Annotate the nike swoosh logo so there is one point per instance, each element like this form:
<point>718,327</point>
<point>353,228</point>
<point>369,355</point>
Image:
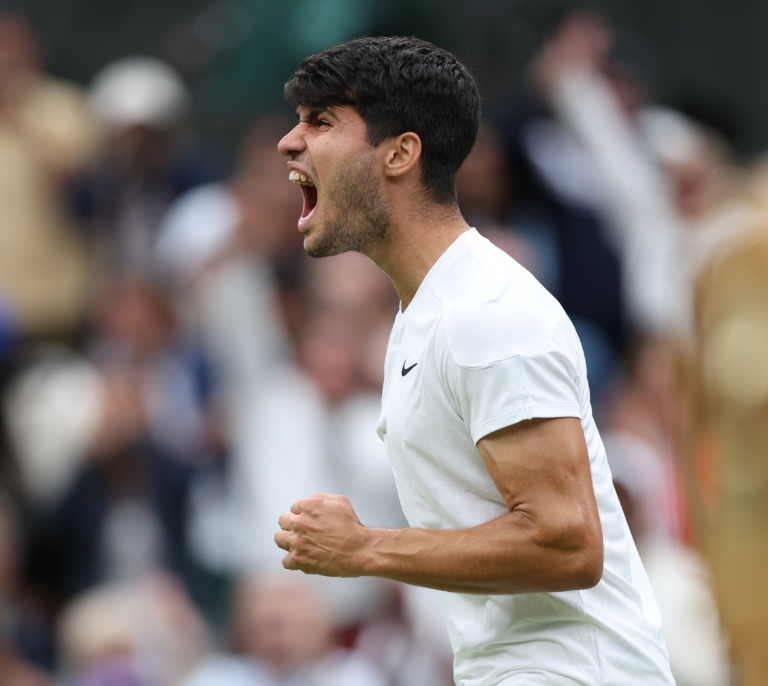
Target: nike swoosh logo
<point>408,369</point>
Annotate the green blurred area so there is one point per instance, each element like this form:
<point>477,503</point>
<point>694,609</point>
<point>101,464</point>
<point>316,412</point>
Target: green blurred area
<point>708,56</point>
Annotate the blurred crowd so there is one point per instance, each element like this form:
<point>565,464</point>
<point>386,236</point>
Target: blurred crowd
<point>175,372</point>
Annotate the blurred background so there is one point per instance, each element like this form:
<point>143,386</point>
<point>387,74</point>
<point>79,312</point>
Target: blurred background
<point>175,372</point>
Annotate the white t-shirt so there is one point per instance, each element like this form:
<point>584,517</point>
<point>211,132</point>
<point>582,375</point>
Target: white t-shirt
<point>482,346</point>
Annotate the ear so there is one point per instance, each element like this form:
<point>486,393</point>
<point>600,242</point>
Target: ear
<point>402,154</point>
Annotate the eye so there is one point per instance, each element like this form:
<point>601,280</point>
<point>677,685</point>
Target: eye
<point>323,123</point>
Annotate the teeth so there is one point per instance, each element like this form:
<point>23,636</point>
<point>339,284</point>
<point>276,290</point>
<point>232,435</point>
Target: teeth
<point>300,178</point>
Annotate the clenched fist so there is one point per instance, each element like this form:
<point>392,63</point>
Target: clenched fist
<point>323,535</point>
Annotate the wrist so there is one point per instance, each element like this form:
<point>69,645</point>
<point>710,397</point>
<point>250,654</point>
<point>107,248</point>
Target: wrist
<point>370,555</point>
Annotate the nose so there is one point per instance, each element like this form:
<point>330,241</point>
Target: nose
<point>292,143</point>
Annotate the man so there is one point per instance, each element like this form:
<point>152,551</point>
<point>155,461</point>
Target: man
<point>485,411</point>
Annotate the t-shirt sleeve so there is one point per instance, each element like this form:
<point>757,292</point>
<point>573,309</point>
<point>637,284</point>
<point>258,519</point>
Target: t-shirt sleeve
<point>507,391</point>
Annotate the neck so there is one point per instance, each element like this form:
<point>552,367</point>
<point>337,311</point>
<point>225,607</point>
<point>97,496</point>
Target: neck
<point>419,236</point>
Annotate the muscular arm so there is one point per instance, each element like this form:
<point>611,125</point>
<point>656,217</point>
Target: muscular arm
<point>550,540</point>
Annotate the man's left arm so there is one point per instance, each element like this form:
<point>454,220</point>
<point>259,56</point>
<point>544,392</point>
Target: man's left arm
<point>549,540</point>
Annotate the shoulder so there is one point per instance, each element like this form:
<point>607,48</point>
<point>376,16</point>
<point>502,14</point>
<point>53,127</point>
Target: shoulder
<point>499,310</point>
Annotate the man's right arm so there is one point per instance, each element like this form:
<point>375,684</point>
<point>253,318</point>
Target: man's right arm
<point>550,540</point>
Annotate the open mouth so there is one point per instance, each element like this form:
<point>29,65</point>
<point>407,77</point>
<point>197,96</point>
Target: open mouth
<point>308,191</point>
<point>310,202</point>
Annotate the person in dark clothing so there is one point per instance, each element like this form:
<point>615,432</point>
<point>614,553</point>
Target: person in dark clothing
<point>147,160</point>
<point>558,204</point>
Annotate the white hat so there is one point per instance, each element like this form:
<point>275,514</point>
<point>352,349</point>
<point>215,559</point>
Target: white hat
<point>139,90</point>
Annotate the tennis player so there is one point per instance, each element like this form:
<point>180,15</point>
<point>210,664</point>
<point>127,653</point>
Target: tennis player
<point>486,414</point>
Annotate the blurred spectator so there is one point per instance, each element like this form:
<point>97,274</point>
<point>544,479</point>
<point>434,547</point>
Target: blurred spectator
<point>126,511</point>
<point>726,460</point>
<point>221,244</point>
<point>283,635</point>
<point>136,327</point>
<point>224,246</point>
<point>716,200</point>
<point>333,448</point>
<point>52,409</point>
<point>254,210</point>
<point>644,422</point>
<point>351,290</point>
<point>108,453</point>
<point>145,633</point>
<point>484,184</point>
<point>408,640</point>
<point>45,138</point>
<point>600,100</point>
<point>557,203</point>
<point>311,428</point>
<point>698,649</point>
<point>585,172</point>
<point>145,161</point>
<point>485,190</point>
<point>14,669</point>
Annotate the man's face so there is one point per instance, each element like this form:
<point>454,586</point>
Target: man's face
<point>344,205</point>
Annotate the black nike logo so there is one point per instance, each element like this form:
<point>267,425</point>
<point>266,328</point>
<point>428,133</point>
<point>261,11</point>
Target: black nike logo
<point>408,369</point>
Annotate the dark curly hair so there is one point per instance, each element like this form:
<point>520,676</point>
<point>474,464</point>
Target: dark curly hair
<point>398,85</point>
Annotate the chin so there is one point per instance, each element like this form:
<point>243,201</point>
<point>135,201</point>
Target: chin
<point>308,247</point>
<point>314,245</point>
<point>320,244</point>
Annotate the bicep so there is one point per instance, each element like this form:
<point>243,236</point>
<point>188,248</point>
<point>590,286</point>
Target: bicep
<point>541,468</point>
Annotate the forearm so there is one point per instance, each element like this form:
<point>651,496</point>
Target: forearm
<point>504,556</point>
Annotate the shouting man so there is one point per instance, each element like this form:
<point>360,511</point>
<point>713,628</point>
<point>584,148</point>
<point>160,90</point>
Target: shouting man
<point>486,414</point>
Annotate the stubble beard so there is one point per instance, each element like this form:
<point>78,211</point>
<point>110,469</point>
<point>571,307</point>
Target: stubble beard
<point>361,218</point>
